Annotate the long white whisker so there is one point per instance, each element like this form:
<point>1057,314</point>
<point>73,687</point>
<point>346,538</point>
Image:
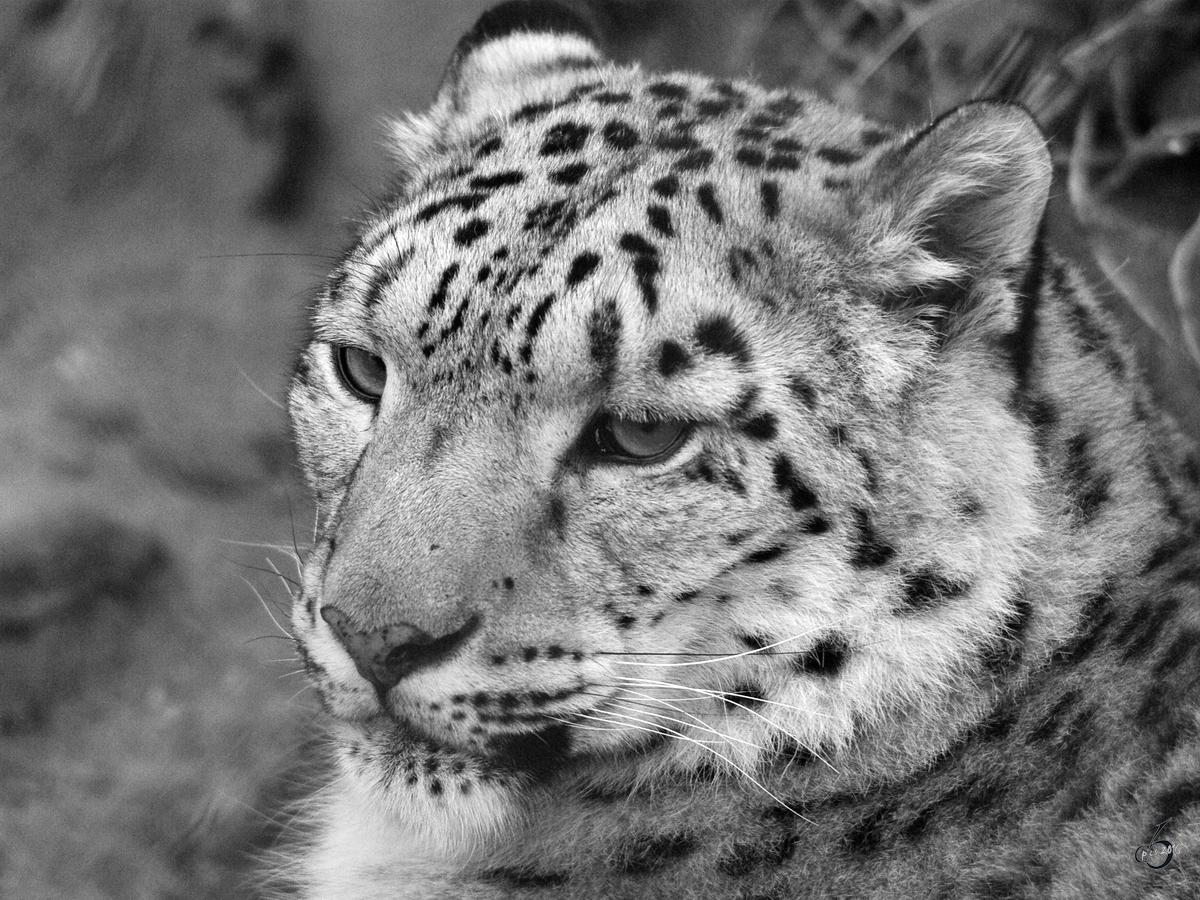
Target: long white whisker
<point>704,745</point>
<point>283,578</point>
<point>260,391</point>
<point>641,723</point>
<point>758,651</point>
<point>697,722</point>
<point>656,720</point>
<point>706,694</point>
<point>307,687</point>
<point>283,630</point>
<point>257,545</point>
<point>709,693</point>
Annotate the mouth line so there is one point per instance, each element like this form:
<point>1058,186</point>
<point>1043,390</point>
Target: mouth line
<point>542,741</point>
<point>531,753</point>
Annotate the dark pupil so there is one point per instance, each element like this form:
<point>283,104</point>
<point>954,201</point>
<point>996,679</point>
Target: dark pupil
<point>364,373</point>
<point>642,439</point>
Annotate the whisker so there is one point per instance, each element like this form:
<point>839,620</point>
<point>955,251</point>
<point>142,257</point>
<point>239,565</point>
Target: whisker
<point>700,723</point>
<point>285,578</point>
<point>713,694</point>
<point>293,698</point>
<point>641,725</point>
<point>282,630</point>
<point>270,571</point>
<point>706,694</point>
<point>710,658</point>
<point>272,400</point>
<point>296,554</point>
<point>256,545</point>
<point>321,256</point>
<point>664,729</point>
<point>703,745</point>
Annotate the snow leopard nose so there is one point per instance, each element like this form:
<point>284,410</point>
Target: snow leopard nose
<point>385,655</point>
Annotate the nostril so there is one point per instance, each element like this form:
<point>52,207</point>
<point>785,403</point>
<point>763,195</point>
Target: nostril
<point>387,654</point>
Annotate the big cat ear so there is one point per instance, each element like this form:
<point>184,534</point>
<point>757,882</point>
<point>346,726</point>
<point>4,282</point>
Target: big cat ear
<point>972,187</point>
<point>510,58</point>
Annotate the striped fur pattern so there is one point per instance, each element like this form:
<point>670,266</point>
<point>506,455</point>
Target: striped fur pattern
<point>902,603</point>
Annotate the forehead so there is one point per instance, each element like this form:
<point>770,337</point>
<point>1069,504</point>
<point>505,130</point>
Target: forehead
<point>608,207</point>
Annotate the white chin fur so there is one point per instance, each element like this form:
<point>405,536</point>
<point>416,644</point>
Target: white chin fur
<point>399,842</point>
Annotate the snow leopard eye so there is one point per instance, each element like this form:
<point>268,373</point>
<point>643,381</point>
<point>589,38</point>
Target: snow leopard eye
<point>649,440</point>
<point>363,373</point>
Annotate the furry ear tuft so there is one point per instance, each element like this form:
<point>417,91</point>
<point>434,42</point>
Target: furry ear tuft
<point>973,186</point>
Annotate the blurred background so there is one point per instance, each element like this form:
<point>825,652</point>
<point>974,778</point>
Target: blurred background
<point>174,180</point>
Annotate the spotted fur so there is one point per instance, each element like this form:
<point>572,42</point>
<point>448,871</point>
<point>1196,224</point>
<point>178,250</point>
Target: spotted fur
<point>907,610</point>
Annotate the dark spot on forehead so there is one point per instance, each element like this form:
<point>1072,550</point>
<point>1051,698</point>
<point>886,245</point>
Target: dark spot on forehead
<point>769,193</point>
<point>382,280</point>
<point>581,267</point>
<point>660,220</point>
<point>667,90</point>
<point>789,483</point>
<point>498,180</point>
<point>710,107</point>
<point>667,186</point>
<point>750,156</point>
<point>694,160</point>
<point>538,316</point>
<point>565,137</point>
<point>472,231</point>
<point>762,427</point>
<point>646,266</point>
<point>672,358</point>
<point>620,135</point>
<point>786,105</point>
<point>707,196</point>
<point>612,98</point>
<point>438,298</point>
<point>787,162</point>
<point>676,140</point>
<point>545,216</point>
<point>604,338</point>
<point>766,554</point>
<point>718,335</point>
<point>531,112</point>
<point>465,202</point>
<point>568,175</point>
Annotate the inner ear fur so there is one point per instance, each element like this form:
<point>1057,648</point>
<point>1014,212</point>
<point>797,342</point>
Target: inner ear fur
<point>973,186</point>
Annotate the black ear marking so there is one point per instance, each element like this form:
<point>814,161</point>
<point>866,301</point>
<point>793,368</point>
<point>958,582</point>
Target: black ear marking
<point>533,16</point>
